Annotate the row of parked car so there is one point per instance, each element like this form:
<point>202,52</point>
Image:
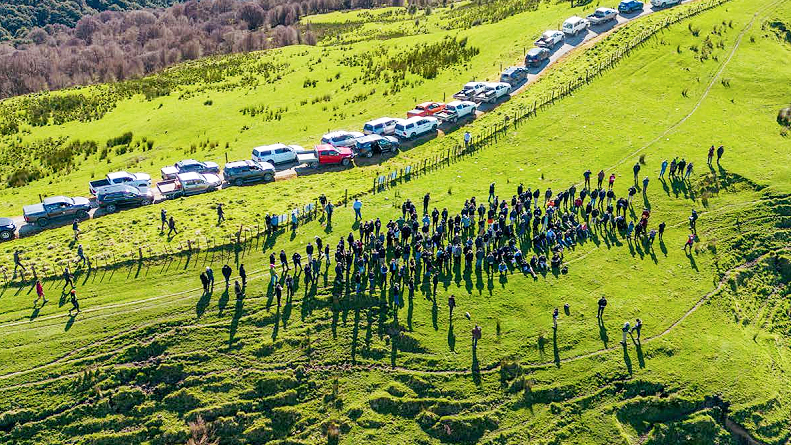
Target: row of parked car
<point>190,177</point>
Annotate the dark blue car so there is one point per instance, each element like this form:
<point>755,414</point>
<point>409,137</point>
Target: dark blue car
<point>7,229</point>
<point>627,6</point>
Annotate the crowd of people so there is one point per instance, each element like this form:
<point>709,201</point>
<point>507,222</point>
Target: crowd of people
<point>526,233</point>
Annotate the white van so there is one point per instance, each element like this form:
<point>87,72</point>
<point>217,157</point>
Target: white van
<point>573,25</point>
<point>416,126</point>
<point>276,153</point>
<point>382,126</point>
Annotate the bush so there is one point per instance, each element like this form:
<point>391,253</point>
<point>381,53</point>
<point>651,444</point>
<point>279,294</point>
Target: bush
<point>127,398</point>
<point>124,139</point>
<point>182,401</point>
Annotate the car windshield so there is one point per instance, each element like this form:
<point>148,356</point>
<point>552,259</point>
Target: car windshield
<point>368,127</point>
<point>399,127</point>
<point>599,14</point>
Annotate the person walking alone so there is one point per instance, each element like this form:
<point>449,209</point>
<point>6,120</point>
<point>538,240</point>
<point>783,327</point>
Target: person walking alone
<point>451,306</point>
<point>39,294</point>
<point>75,227</point>
<point>243,275</point>
<point>226,273</point>
<point>357,206</point>
<point>602,305</point>
<point>68,278</point>
<point>75,305</point>
<point>18,263</point>
<point>220,214</point>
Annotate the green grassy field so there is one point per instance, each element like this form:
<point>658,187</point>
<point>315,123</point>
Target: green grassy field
<point>148,355</point>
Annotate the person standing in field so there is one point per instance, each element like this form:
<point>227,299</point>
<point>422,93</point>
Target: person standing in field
<point>689,171</point>
<point>645,185</point>
<point>75,305</point>
<point>661,230</point>
<point>226,273</point>
<point>710,157</point>
<point>662,169</point>
<point>689,243</point>
<point>638,326</point>
<point>636,171</point>
<point>163,217</point>
<point>555,314</point>
<point>720,152</point>
<point>18,263</point>
<point>220,214</point>
<point>81,255</point>
<point>587,175</point>
<point>451,306</point>
<point>491,191</point>
<point>75,227</point>
<point>204,281</point>
<point>426,199</point>
<point>243,275</point>
<point>611,181</point>
<point>39,294</point>
<point>357,206</point>
<point>625,330</point>
<point>238,290</point>
<point>210,277</point>
<point>600,179</point>
<point>602,305</point>
<point>68,278</point>
<point>172,226</point>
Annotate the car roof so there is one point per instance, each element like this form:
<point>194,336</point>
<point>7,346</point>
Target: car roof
<point>189,161</point>
<point>513,69</point>
<point>118,188</point>
<point>270,147</point>
<point>381,120</point>
<point>369,138</point>
<point>472,84</point>
<point>536,51</point>
<point>188,176</point>
<point>240,163</point>
<point>606,10</point>
<point>56,199</point>
<point>426,104</point>
<point>121,174</point>
<point>574,19</point>
<point>334,134</point>
<point>550,32</point>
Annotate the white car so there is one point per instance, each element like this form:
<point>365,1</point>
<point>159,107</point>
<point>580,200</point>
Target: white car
<point>664,3</point>
<point>602,15</point>
<point>276,153</point>
<point>574,25</point>
<point>416,126</point>
<point>550,39</point>
<point>341,138</point>
<point>469,90</point>
<point>493,91</point>
<point>382,126</point>
<point>458,109</point>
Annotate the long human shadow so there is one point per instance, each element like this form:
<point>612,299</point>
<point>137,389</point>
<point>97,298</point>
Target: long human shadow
<point>451,336</point>
<point>202,304</point>
<point>640,359</point>
<point>276,326</point>
<point>555,351</point>
<point>627,360</point>
<point>223,301</point>
<point>355,334</point>
<point>237,314</point>
<point>603,332</point>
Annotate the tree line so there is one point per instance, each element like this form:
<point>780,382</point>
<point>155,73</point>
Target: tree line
<point>118,45</point>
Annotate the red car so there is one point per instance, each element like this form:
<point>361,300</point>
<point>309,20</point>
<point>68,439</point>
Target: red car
<point>326,154</point>
<point>426,109</point>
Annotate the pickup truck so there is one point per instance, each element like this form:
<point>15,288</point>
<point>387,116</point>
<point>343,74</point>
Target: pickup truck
<point>493,91</point>
<point>186,184</point>
<point>326,154</point>
<point>602,15</point>
<point>457,110</point>
<point>189,166</point>
<point>138,180</point>
<point>56,207</point>
<point>550,39</point>
<point>425,109</point>
<point>7,229</point>
<point>469,90</point>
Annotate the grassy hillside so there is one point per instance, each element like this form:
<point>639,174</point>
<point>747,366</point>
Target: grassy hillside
<point>149,356</point>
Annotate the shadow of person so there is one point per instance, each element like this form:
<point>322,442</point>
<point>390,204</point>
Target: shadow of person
<point>626,359</point>
<point>223,301</point>
<point>692,262</point>
<point>663,247</point>
<point>35,312</point>
<point>434,313</point>
<point>665,188</point>
<point>237,314</point>
<point>203,303</point>
<point>603,333</point>
<point>476,366</point>
<point>276,325</point>
<point>555,351</point>
<point>70,321</point>
<point>639,348</point>
<point>451,337</point>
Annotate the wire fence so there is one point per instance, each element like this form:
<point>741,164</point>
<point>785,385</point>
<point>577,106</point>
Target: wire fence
<point>240,241</point>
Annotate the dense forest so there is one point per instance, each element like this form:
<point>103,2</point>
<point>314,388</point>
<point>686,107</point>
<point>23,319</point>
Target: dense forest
<point>19,16</point>
<point>117,45</point>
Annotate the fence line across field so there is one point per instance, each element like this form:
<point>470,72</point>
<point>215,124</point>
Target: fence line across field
<point>486,137</point>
